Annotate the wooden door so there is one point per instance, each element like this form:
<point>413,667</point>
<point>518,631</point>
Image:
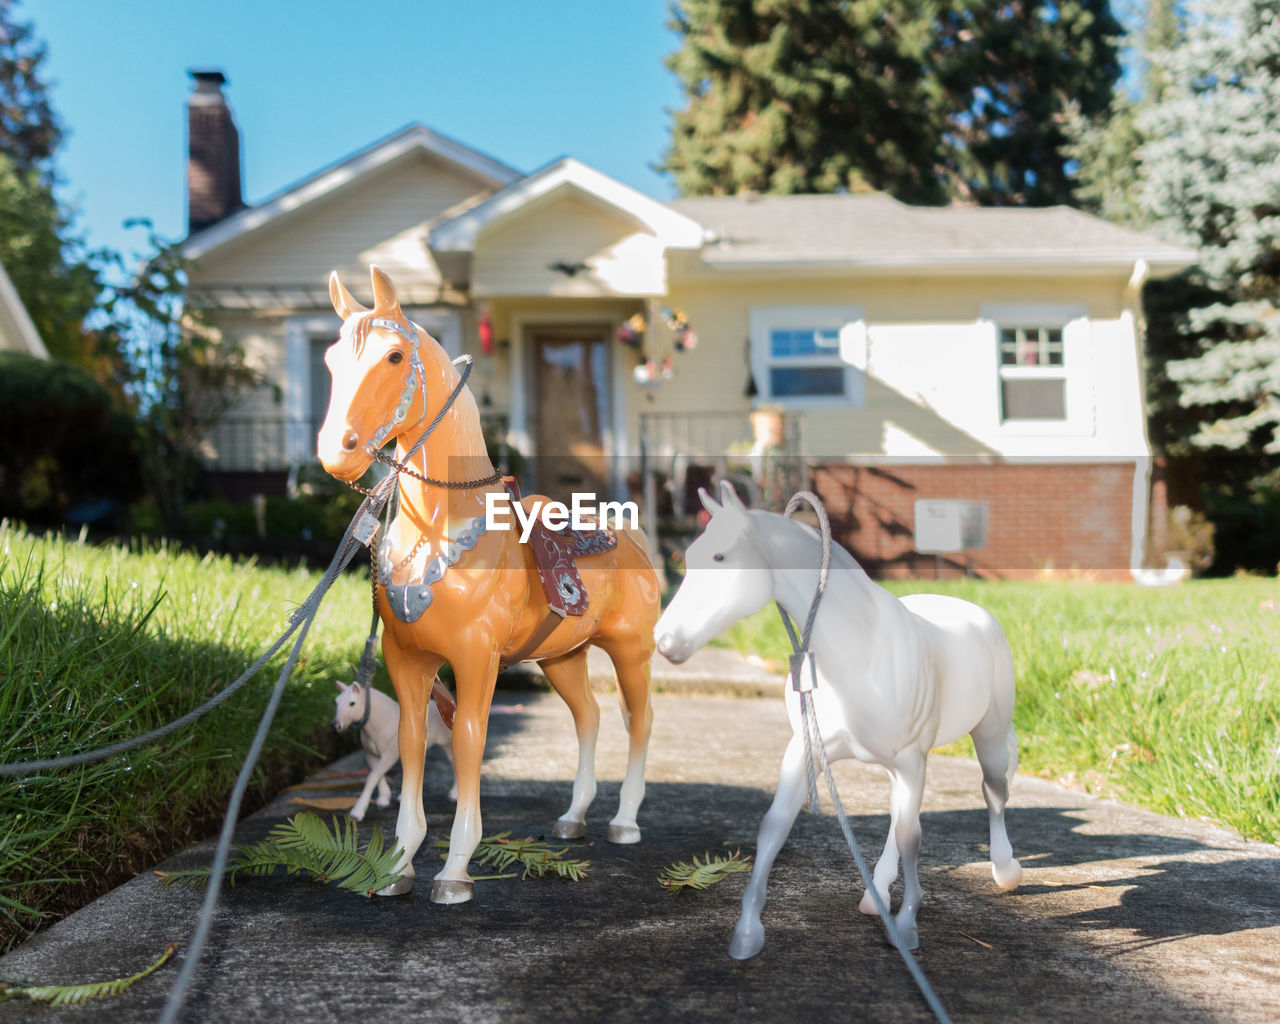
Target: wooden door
<point>570,403</point>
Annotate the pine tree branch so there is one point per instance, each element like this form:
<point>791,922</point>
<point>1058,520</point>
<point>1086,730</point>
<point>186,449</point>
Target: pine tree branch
<point>71,995</point>
<point>536,858</point>
<point>703,874</point>
<point>304,843</point>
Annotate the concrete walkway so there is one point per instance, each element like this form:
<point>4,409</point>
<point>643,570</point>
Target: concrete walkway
<point>1123,915</point>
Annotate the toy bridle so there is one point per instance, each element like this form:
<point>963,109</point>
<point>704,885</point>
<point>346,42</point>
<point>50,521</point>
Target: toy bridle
<point>417,377</point>
<point>804,680</point>
<point>368,705</point>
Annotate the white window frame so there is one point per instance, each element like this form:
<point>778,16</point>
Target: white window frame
<point>1075,372</point>
<point>852,328</point>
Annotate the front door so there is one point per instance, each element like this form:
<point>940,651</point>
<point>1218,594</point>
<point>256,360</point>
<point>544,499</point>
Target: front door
<point>570,404</point>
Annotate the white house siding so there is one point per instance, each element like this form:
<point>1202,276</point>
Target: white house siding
<point>380,218</point>
<point>931,363</point>
<point>252,435</point>
<point>514,256</point>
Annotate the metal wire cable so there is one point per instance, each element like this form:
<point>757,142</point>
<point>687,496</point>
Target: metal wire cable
<point>346,551</point>
<point>376,499</point>
<point>204,920</point>
<point>816,754</point>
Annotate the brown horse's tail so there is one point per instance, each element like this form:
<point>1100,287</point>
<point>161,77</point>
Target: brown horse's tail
<point>445,703</point>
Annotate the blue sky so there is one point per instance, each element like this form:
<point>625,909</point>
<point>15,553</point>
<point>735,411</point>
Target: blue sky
<point>311,81</point>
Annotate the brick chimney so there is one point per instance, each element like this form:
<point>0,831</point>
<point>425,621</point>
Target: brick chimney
<point>213,153</point>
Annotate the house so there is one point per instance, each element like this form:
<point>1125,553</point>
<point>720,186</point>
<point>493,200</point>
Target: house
<point>17,332</point>
<point>963,386</point>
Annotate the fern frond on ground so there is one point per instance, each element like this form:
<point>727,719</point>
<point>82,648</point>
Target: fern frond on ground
<point>304,843</point>
<point>68,995</point>
<point>536,858</point>
<point>703,874</point>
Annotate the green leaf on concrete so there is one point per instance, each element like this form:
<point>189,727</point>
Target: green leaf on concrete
<point>705,873</point>
<point>536,858</point>
<point>68,995</point>
<point>304,843</point>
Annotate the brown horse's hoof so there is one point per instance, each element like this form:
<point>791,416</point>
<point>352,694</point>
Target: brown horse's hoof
<point>399,887</point>
<point>450,890</point>
<point>623,834</point>
<point>566,829</point>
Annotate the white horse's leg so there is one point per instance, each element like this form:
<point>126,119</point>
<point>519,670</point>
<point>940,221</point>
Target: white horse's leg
<point>775,826</point>
<point>476,672</point>
<point>886,868</point>
<point>378,768</point>
<point>908,790</point>
<point>631,662</point>
<point>996,745</point>
<point>412,678</point>
<point>569,677</point>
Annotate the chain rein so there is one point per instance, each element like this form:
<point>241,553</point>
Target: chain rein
<point>369,659</point>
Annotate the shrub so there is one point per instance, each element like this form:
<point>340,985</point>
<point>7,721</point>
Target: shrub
<point>63,440</point>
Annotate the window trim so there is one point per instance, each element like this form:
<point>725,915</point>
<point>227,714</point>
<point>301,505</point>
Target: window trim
<point>1075,371</point>
<point>852,354</point>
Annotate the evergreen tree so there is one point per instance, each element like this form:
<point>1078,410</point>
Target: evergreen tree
<point>56,278</point>
<point>1010,70</point>
<point>789,96</point>
<point>1105,147</point>
<point>1212,180</point>
<point>926,101</point>
<point>29,129</point>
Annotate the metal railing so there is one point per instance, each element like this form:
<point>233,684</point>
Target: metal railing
<point>266,444</point>
<point>764,457</point>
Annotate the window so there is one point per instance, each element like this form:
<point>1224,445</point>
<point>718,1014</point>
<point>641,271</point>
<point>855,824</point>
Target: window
<point>808,356</point>
<point>1033,374</point>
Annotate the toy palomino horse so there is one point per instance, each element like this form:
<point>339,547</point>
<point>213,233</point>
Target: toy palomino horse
<point>895,679</point>
<point>450,590</point>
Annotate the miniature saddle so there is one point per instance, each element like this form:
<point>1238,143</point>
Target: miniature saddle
<point>555,553</point>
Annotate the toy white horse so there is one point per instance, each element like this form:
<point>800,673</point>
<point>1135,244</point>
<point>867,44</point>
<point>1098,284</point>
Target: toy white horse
<point>895,679</point>
<point>378,737</point>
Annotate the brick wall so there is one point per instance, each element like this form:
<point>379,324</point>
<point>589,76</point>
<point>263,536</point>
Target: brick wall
<point>213,154</point>
<point>1065,517</point>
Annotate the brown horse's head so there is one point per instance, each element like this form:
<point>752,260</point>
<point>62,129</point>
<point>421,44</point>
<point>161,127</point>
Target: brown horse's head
<point>379,377</point>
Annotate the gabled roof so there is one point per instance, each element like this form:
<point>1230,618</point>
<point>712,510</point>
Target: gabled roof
<point>875,231</point>
<point>489,172</point>
<point>673,228</point>
<point>17,332</point>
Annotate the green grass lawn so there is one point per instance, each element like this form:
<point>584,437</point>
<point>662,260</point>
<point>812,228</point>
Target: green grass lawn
<point>98,644</point>
<point>1165,698</point>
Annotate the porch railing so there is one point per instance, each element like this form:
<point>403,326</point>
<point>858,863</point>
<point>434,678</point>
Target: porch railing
<point>266,444</point>
<point>682,451</point>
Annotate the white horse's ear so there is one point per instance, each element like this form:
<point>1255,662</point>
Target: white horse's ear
<point>343,304</point>
<point>708,502</point>
<point>728,496</point>
<point>339,685</point>
<point>385,300</point>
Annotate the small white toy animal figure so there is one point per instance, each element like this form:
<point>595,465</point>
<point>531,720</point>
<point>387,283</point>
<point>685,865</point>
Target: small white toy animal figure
<point>379,738</point>
<point>896,678</point>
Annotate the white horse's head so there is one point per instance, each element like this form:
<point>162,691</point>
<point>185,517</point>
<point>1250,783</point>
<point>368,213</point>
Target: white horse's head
<point>348,705</point>
<point>382,367</point>
<point>727,578</point>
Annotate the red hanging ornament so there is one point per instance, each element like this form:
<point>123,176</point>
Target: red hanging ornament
<point>484,327</point>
